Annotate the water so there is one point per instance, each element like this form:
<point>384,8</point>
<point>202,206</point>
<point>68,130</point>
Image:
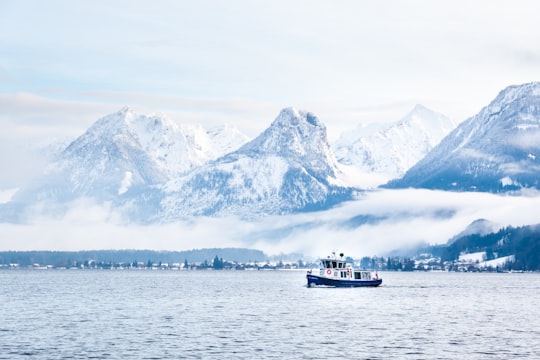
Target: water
<point>57,314</point>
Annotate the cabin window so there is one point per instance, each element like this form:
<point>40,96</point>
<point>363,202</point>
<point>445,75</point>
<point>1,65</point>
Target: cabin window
<point>366,276</point>
<point>343,274</point>
<point>334,264</point>
<point>357,275</point>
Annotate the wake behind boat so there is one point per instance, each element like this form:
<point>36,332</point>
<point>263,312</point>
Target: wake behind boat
<point>337,272</point>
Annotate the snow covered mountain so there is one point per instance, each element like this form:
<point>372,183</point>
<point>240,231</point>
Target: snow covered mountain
<point>391,149</point>
<point>124,158</point>
<point>149,169</point>
<point>496,150</point>
<point>288,168</point>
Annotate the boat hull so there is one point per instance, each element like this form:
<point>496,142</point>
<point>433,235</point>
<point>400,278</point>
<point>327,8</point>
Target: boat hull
<point>315,280</point>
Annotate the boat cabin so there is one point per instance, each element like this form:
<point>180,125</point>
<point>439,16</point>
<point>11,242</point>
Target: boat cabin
<point>334,264</point>
<point>337,272</point>
<point>337,268</point>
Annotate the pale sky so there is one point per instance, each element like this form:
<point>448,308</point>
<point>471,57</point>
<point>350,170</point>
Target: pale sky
<point>65,63</point>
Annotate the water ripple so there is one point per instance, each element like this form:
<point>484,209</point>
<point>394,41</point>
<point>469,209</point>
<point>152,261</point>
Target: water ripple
<point>265,315</point>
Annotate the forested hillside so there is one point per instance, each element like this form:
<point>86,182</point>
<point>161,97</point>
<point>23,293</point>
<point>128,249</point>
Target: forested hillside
<point>521,242</point>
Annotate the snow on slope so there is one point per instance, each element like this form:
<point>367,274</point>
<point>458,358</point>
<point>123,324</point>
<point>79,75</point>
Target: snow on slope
<point>495,150</point>
<point>226,139</point>
<point>152,169</point>
<point>388,150</point>
<point>125,152</point>
<point>288,168</point>
<point>174,149</point>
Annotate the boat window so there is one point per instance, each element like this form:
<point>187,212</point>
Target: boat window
<point>334,264</point>
<point>343,274</point>
<point>366,275</point>
<point>357,275</point>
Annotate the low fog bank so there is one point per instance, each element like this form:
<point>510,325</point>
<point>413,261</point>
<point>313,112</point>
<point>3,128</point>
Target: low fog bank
<point>378,223</point>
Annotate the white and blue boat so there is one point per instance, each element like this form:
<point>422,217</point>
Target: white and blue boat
<point>336,272</point>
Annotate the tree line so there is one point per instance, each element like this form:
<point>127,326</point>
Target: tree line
<point>132,258</point>
<point>521,242</point>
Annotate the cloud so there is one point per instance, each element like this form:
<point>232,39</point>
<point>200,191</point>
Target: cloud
<point>32,124</point>
<point>33,115</point>
<point>528,140</point>
<point>354,54</point>
<point>7,195</point>
<point>403,218</point>
<point>36,115</point>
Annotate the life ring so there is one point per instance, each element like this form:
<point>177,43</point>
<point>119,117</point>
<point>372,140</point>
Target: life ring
<point>329,271</point>
<point>348,272</point>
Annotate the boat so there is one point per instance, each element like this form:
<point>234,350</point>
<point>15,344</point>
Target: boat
<point>337,272</point>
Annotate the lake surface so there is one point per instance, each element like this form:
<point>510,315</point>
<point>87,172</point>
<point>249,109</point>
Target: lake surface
<point>130,314</point>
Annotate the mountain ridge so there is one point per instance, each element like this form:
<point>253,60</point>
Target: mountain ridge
<point>153,170</point>
<point>496,150</point>
<point>289,167</point>
<point>391,149</point>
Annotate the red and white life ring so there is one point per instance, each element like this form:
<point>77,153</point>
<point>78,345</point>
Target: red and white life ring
<point>348,272</point>
<point>329,272</point>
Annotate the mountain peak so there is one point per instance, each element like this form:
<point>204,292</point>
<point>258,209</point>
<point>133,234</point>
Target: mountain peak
<point>495,150</point>
<point>513,92</point>
<point>152,169</point>
<point>293,131</point>
<point>427,120</point>
<point>145,149</point>
<point>479,227</point>
<point>294,117</point>
<point>393,148</point>
<point>126,109</point>
<point>295,134</point>
<point>287,168</point>
<point>419,108</point>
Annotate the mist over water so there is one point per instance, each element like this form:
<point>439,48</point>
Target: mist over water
<point>265,314</point>
<point>375,225</point>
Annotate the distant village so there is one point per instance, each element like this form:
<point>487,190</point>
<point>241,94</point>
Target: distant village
<point>216,264</point>
<point>466,263</point>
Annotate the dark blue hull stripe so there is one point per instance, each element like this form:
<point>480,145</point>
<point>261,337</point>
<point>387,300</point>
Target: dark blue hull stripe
<point>322,281</point>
